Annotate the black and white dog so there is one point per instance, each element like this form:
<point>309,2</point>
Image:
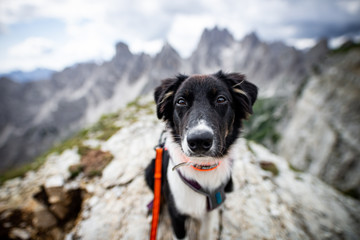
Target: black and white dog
<point>203,115</point>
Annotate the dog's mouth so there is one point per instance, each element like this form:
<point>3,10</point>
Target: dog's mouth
<point>196,166</point>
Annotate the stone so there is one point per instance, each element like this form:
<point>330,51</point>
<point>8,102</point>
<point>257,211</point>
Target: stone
<point>19,233</point>
<point>43,219</point>
<point>55,194</point>
<point>54,181</point>
<point>56,234</point>
<point>59,210</point>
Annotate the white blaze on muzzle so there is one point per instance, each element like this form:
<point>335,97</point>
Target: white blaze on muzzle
<point>198,140</point>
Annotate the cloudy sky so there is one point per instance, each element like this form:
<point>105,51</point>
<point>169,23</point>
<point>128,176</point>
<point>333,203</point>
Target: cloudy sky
<point>57,33</point>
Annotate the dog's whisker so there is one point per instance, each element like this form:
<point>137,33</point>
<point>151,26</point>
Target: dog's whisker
<point>182,164</point>
<point>176,136</point>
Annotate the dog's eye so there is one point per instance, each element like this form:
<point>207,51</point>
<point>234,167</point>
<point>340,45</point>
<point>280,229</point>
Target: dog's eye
<point>181,102</point>
<point>221,99</point>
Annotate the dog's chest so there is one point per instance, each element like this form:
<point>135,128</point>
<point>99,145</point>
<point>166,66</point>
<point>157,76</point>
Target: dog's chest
<point>187,201</point>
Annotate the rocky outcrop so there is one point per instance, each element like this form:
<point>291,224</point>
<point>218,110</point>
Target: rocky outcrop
<point>269,201</point>
<point>43,205</point>
<point>323,136</point>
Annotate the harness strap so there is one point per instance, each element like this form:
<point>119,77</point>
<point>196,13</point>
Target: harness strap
<point>213,199</point>
<point>157,192</point>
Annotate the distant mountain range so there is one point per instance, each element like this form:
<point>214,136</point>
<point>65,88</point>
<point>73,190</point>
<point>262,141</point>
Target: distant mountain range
<point>35,75</point>
<point>34,115</point>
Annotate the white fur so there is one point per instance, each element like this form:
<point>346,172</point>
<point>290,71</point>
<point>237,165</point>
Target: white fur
<point>187,201</point>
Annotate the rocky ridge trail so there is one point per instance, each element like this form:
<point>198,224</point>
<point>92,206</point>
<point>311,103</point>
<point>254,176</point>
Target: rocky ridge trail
<point>269,201</point>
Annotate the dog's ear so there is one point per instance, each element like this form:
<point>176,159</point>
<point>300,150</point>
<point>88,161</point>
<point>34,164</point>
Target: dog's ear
<point>164,96</point>
<point>244,93</point>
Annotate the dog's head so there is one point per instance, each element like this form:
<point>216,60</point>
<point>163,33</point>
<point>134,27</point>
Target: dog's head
<point>204,112</point>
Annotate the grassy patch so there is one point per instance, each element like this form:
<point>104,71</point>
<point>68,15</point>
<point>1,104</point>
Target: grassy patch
<point>105,127</point>
<point>138,105</point>
<point>261,127</point>
<point>269,166</point>
<point>75,170</point>
<point>22,170</point>
<point>294,169</point>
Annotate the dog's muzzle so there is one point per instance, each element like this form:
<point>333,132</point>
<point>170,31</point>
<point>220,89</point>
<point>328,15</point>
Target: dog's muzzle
<point>200,141</point>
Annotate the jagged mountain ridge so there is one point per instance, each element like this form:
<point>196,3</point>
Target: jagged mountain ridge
<point>35,115</point>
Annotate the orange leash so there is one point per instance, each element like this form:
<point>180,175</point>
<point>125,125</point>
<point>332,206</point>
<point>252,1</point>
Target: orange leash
<point>157,193</point>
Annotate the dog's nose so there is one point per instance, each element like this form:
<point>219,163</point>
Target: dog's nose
<point>200,141</point>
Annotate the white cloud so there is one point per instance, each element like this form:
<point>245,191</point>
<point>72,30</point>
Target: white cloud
<point>352,6</point>
<point>337,42</point>
<point>186,30</point>
<point>93,27</point>
<point>32,47</point>
<point>302,43</point>
<point>151,47</point>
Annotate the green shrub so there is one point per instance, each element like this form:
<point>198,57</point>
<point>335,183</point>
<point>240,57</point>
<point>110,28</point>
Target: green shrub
<point>346,47</point>
<point>261,126</point>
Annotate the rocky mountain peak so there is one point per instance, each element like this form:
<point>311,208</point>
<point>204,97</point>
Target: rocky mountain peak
<point>208,52</point>
<point>168,59</point>
<point>216,37</point>
<point>167,51</point>
<point>251,40</point>
<point>122,50</point>
<point>322,44</point>
<point>317,52</point>
<point>122,57</point>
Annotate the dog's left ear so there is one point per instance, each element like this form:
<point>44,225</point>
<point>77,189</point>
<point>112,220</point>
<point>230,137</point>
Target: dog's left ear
<point>164,95</point>
<point>244,93</point>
